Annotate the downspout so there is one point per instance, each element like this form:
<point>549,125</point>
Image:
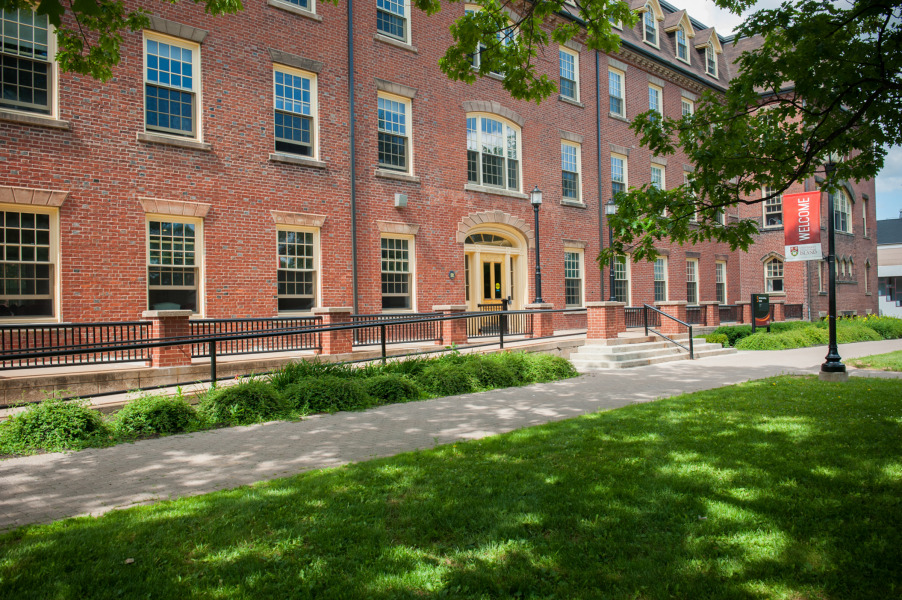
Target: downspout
<point>598,145</point>
<point>352,120</point>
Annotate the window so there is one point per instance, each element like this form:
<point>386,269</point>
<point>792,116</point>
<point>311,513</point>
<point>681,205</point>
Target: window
<point>693,218</point>
<point>394,142</point>
<point>504,37</point>
<point>618,174</point>
<point>867,277</point>
<point>655,101</point>
<point>687,106</point>
<point>297,251</point>
<point>171,85</point>
<point>391,18</point>
<point>173,258</point>
<point>682,46</point>
<point>864,217</point>
<point>295,109</point>
<point>27,262</point>
<point>493,152</point>
<point>569,74</point>
<point>720,282</point>
<point>773,208</point>
<point>26,55</point>
<point>842,212</point>
<point>710,61</point>
<point>692,281</point>
<point>615,93</point>
<point>650,26</point>
<point>820,277</point>
<point>661,279</point>
<point>570,169</point>
<point>396,284</point>
<point>849,264</point>
<point>773,275</point>
<point>305,4</point>
<point>621,280</point>
<point>573,277</point>
<point>657,177</point>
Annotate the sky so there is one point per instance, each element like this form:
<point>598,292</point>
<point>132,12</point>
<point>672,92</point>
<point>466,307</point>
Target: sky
<point>889,180</point>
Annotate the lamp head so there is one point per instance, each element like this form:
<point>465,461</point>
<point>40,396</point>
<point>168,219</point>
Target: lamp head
<point>610,207</point>
<point>535,196</point>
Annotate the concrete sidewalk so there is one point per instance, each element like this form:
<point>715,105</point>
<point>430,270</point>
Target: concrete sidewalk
<point>52,486</point>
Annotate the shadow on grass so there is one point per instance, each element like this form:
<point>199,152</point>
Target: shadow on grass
<point>784,488</point>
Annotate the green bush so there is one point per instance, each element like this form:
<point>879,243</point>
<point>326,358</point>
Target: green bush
<point>762,341</point>
<point>734,333</point>
<point>391,389</point>
<point>442,378</point>
<point>154,415</point>
<point>328,394</point>
<point>242,404</point>
<point>855,331</point>
<point>548,367</point>
<point>890,328</point>
<point>409,366</point>
<point>296,371</point>
<point>493,372</point>
<point>718,338</point>
<point>783,326</point>
<point>53,425</point>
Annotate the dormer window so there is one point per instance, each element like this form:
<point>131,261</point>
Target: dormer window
<point>710,61</point>
<point>682,46</point>
<point>650,26</point>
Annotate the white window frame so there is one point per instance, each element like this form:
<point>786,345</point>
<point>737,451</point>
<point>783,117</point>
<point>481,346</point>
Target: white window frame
<point>772,275</point>
<point>196,88</point>
<point>314,109</point>
<point>477,144</point>
<point>663,271</point>
<point>658,177</point>
<point>54,262</point>
<point>687,107</point>
<point>624,262</point>
<point>317,270</point>
<point>620,76</point>
<point>575,56</point>
<point>408,135</point>
<point>580,252</point>
<point>656,98</point>
<point>692,280</point>
<point>199,254</point>
<point>842,211</point>
<point>711,59</point>
<point>579,171</point>
<point>681,32</point>
<point>411,271</point>
<point>649,13</point>
<point>769,208</point>
<point>52,74</point>
<point>296,4</point>
<point>406,19</point>
<point>720,279</point>
<point>864,216</point>
<point>625,174</point>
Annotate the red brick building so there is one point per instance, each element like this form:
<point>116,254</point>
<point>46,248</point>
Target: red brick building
<point>218,171</point>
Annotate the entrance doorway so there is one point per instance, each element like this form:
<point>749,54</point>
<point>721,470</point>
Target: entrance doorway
<point>495,263</point>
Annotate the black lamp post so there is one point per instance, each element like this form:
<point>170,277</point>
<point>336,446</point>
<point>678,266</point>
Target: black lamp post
<point>535,198</point>
<point>833,362</point>
<point>610,208</point>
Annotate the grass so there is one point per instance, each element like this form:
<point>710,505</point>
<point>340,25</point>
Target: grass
<point>787,488</point>
<point>891,361</point>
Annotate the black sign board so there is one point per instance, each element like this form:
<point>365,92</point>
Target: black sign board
<point>760,311</point>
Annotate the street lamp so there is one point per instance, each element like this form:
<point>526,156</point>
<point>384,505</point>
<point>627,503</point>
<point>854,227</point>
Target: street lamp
<point>535,198</point>
<point>610,208</point>
<point>833,362</point>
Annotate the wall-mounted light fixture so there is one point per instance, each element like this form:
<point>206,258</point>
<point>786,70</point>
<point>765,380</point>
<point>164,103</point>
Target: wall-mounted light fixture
<point>400,200</point>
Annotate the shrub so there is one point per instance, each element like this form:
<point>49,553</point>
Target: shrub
<point>761,341</point>
<point>390,389</point>
<point>890,328</point>
<point>296,371</point>
<point>328,394</point>
<point>242,404</point>
<point>783,326</point>
<point>734,333</point>
<point>518,363</point>
<point>493,372</point>
<point>154,415</point>
<point>855,331</point>
<point>445,379</point>
<point>52,425</point>
<point>411,366</point>
<point>548,367</point>
<point>718,338</point>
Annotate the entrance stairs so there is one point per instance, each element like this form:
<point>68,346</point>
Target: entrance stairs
<point>631,350</point>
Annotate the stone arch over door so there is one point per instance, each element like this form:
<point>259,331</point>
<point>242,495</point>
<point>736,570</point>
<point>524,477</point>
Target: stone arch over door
<point>498,217</point>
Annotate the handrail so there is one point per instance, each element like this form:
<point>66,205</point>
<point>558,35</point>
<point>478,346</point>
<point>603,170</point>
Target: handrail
<point>691,347</point>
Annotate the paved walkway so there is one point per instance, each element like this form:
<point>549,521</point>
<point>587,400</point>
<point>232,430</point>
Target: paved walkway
<point>52,486</point>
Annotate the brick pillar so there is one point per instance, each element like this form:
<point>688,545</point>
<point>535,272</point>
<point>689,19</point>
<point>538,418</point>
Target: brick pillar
<point>453,331</point>
<point>336,342</point>
<point>779,313</point>
<point>674,308</point>
<point>169,324</point>
<point>606,320</point>
<point>542,323</point>
<point>746,311</point>
<point>711,310</point>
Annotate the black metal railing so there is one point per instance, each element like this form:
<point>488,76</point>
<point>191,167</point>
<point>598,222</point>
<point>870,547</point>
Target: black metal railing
<point>212,328</point>
<point>93,340</point>
<point>635,317</point>
<point>662,315</point>
<point>407,328</point>
<point>493,325</point>
<point>792,311</point>
<point>730,313</point>
<point>695,315</point>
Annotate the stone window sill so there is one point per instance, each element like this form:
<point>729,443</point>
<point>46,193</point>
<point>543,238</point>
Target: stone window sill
<point>396,43</point>
<point>166,140</point>
<point>294,9</point>
<point>772,228</point>
<point>619,117</point>
<point>396,176</point>
<point>573,203</point>
<point>845,233</point>
<point>303,161</point>
<point>571,101</point>
<point>868,294</point>
<point>35,120</point>
<point>472,187</point>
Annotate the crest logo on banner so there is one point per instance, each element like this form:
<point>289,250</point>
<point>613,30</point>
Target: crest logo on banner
<point>802,226</point>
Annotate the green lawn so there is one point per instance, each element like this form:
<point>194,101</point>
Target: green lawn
<point>783,488</point>
<point>891,361</point>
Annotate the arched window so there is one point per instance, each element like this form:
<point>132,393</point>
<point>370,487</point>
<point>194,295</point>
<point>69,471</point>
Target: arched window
<point>488,239</point>
<point>493,152</point>
<point>682,46</point>
<point>773,275</point>
<point>842,211</point>
<point>650,26</point>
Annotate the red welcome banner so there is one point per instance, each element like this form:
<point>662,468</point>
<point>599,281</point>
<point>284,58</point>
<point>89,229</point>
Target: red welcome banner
<point>802,226</point>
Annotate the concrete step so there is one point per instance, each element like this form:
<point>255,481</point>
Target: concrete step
<point>639,351</point>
